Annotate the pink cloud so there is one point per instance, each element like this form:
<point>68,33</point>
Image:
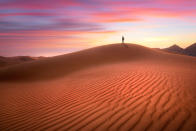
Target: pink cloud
<point>45,23</point>
<point>27,14</point>
<point>37,4</point>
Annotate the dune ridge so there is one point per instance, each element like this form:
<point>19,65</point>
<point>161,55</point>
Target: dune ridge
<point>141,90</point>
<point>114,53</point>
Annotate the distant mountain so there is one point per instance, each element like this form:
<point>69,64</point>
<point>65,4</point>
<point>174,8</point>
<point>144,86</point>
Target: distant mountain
<point>191,50</point>
<point>7,61</point>
<point>175,49</point>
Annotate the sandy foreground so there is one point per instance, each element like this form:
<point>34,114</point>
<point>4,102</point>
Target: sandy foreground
<point>112,87</point>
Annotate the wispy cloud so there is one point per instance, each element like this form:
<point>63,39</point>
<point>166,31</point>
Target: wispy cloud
<point>73,20</point>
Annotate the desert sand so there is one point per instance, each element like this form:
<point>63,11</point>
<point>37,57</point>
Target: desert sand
<point>9,61</point>
<point>111,87</point>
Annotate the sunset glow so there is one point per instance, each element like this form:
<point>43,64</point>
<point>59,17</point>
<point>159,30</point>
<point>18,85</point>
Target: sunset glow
<point>53,27</point>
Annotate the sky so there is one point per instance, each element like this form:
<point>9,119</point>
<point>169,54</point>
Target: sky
<point>54,27</point>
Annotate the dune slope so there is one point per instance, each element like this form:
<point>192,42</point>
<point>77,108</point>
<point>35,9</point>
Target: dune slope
<point>8,61</point>
<point>49,68</point>
<point>58,66</point>
<point>111,87</point>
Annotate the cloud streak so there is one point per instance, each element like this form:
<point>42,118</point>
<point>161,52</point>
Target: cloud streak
<point>72,19</point>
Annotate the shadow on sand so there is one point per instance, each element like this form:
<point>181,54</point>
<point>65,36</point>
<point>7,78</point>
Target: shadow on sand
<point>126,46</point>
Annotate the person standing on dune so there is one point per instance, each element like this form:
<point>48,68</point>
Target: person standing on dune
<point>123,39</point>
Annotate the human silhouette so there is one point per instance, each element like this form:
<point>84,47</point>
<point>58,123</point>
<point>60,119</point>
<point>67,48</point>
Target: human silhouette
<point>123,39</point>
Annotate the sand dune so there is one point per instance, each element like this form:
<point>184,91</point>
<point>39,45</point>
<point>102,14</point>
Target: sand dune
<point>111,87</point>
<point>49,68</point>
<point>9,61</point>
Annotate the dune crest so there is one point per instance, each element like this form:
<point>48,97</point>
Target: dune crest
<point>49,68</point>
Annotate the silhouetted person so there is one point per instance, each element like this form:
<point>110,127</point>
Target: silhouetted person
<point>123,39</point>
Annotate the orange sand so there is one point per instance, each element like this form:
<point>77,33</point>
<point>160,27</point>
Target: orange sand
<point>110,87</point>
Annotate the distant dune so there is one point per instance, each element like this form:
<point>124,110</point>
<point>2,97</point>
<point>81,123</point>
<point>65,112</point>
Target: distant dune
<point>111,87</point>
<point>9,61</point>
